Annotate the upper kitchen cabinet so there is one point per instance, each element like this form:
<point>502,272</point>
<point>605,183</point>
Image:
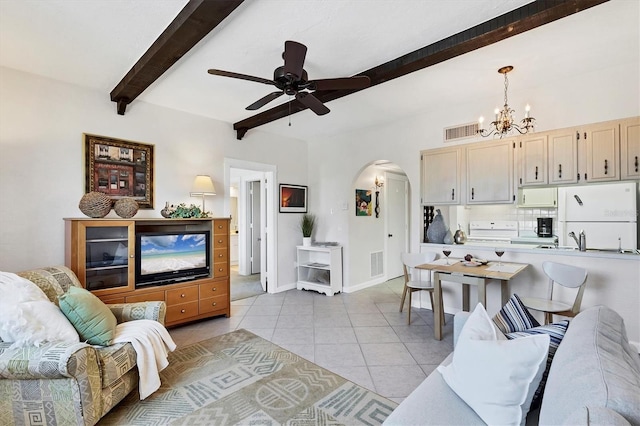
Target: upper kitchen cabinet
<point>563,157</point>
<point>490,172</point>
<point>532,160</point>
<point>441,170</point>
<point>602,152</point>
<point>630,148</point>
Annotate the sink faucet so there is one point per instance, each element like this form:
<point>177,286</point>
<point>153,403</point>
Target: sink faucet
<point>582,243</point>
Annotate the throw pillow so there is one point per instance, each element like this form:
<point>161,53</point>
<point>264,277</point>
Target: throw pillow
<point>496,378</point>
<point>28,317</point>
<point>514,316</point>
<point>93,320</point>
<point>556,332</point>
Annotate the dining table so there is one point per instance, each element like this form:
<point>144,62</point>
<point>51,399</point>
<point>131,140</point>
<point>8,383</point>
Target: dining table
<point>467,274</point>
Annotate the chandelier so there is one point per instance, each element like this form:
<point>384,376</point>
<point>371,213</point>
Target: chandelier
<point>504,122</point>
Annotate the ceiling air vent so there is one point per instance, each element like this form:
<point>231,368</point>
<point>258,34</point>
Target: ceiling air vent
<point>460,132</point>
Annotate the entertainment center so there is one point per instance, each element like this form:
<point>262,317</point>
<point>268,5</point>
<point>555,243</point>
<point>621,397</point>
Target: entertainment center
<point>183,262</point>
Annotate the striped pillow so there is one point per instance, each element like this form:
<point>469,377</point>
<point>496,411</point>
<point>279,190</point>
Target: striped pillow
<point>556,332</point>
<point>514,317</point>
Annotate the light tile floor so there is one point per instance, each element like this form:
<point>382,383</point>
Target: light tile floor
<point>361,336</point>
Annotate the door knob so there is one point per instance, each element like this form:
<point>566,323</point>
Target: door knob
<point>390,235</point>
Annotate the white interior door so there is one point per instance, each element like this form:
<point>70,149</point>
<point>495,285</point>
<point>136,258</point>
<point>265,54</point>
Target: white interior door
<point>397,222</point>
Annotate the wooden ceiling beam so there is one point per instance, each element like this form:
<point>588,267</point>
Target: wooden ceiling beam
<point>197,19</point>
<point>520,20</point>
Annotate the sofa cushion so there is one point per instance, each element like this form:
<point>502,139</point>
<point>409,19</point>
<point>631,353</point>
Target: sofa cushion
<point>53,280</point>
<point>93,320</point>
<point>496,378</point>
<point>594,366</point>
<point>514,317</point>
<point>596,416</point>
<point>556,333</point>
<point>115,360</point>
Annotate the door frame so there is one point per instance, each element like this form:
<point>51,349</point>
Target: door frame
<point>269,230</point>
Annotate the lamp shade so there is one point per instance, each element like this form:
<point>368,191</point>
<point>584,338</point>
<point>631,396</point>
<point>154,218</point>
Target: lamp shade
<point>203,185</point>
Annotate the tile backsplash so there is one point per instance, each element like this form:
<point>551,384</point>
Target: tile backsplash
<point>526,217</point>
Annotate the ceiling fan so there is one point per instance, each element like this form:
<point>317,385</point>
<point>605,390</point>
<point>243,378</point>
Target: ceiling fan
<point>292,79</point>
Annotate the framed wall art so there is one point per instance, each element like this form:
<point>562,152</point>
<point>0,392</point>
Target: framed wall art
<point>293,198</point>
<point>119,169</point>
<point>363,202</point>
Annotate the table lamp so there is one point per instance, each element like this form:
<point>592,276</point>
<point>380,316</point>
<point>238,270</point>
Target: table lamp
<point>202,185</point>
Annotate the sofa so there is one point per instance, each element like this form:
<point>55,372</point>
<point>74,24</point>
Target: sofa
<point>594,378</point>
<point>68,383</point>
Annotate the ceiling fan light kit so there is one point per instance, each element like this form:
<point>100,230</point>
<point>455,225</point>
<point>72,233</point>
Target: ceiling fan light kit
<point>504,122</point>
<point>291,79</point>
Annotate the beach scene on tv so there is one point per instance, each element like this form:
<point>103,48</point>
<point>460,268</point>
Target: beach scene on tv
<point>165,253</point>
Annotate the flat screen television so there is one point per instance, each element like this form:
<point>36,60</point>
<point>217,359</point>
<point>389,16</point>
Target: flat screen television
<point>172,256</point>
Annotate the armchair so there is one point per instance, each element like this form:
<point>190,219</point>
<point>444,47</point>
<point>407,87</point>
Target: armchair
<point>68,383</point>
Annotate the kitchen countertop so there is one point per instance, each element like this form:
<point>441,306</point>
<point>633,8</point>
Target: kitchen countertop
<point>457,250</point>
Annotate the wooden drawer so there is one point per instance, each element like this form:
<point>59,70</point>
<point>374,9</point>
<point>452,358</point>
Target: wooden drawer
<point>217,288</point>
<point>112,299</point>
<point>182,295</point>
<point>220,227</point>
<point>220,242</point>
<point>220,270</point>
<point>156,296</point>
<point>213,304</point>
<point>220,255</point>
<point>182,311</point>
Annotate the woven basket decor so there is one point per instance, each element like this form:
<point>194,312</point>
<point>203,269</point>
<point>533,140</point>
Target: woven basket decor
<point>95,204</point>
<point>126,207</point>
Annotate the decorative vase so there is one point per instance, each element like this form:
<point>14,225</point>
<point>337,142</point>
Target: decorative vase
<point>95,204</point>
<point>306,241</point>
<point>437,229</point>
<point>166,212</point>
<point>448,238</point>
<point>126,207</point>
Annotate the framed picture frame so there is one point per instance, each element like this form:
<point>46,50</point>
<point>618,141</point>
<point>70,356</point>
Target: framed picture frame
<point>363,202</point>
<point>119,168</point>
<point>293,198</point>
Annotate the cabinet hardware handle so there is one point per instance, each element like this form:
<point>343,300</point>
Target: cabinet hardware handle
<point>220,270</point>
<point>606,167</point>
<point>560,171</point>
<point>536,172</point>
<point>182,295</point>
<point>182,311</point>
<point>213,304</point>
<point>453,190</point>
<point>220,255</point>
<point>636,164</point>
<point>577,135</point>
<point>524,199</point>
<point>585,136</point>
<point>219,226</point>
<point>220,241</point>
<point>214,289</point>
<point>473,193</point>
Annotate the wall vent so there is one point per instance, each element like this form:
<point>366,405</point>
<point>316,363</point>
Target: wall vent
<point>462,131</point>
<point>377,266</point>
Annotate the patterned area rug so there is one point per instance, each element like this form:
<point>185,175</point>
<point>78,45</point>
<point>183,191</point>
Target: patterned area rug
<point>240,378</point>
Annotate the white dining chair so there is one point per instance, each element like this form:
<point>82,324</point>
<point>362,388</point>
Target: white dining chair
<point>416,279</point>
<point>564,275</point>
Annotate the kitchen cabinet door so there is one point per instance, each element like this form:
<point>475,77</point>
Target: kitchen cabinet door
<point>532,156</point>
<point>490,172</point>
<point>602,152</point>
<point>441,176</point>
<point>630,148</point>
<point>563,157</point>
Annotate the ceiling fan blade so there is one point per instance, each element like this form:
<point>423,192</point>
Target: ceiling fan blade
<point>312,103</point>
<point>263,101</point>
<point>357,82</point>
<point>294,54</point>
<point>240,76</point>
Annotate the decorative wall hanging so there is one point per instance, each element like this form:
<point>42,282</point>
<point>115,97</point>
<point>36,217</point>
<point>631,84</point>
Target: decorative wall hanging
<point>363,202</point>
<point>119,169</point>
<point>293,198</point>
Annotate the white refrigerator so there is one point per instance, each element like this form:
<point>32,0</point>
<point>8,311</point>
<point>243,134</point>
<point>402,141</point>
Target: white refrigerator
<point>605,212</point>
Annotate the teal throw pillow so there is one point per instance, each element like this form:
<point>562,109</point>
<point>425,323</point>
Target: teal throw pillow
<point>92,319</point>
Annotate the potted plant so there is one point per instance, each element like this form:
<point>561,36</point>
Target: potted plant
<point>307,223</point>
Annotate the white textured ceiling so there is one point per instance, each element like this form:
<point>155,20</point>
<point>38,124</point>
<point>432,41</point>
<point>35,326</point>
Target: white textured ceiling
<point>94,43</point>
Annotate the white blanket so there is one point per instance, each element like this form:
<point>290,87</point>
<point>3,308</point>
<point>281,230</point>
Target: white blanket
<point>152,344</point>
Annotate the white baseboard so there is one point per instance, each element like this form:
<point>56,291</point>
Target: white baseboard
<point>364,285</point>
<point>282,288</point>
<point>635,345</point>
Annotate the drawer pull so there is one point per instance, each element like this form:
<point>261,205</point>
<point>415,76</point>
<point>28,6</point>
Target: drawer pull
<point>213,304</point>
<point>219,226</point>
<point>182,311</point>
<point>182,295</point>
<point>220,269</point>
<point>220,241</point>
<point>214,289</point>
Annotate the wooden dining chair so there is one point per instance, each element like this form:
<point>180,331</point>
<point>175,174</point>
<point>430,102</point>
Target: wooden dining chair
<point>567,276</point>
<point>414,281</point>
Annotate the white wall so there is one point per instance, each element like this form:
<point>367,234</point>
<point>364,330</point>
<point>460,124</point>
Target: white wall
<point>42,171</point>
<point>608,93</point>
